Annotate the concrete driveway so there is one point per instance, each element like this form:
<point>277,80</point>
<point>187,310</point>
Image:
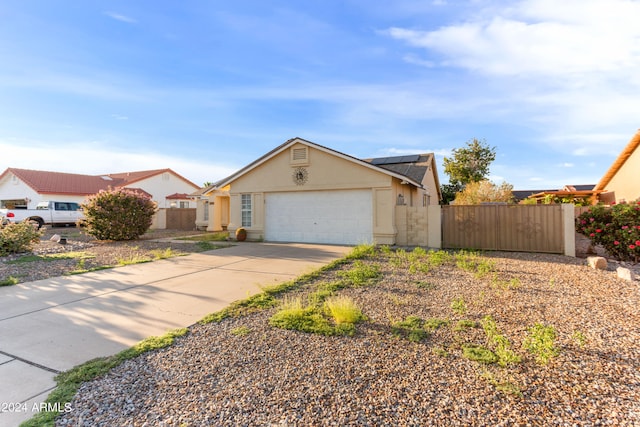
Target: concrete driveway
<point>52,325</point>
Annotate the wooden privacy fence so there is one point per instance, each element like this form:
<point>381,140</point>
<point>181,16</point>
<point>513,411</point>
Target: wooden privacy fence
<point>524,228</point>
<point>180,219</point>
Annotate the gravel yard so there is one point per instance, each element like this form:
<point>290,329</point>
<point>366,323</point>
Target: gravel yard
<point>243,371</point>
<point>84,252</point>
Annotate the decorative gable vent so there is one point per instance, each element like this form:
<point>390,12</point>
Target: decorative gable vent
<point>300,155</point>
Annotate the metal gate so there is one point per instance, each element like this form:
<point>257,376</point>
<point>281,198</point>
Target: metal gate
<point>520,228</point>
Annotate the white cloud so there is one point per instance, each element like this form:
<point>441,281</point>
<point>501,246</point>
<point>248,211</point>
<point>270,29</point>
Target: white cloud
<point>540,37</point>
<point>566,69</point>
<point>120,17</point>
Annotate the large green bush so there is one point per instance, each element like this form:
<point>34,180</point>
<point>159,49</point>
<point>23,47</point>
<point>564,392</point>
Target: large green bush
<point>616,228</point>
<point>16,238</point>
<point>120,214</point>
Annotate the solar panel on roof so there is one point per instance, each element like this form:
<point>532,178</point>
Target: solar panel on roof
<point>397,159</point>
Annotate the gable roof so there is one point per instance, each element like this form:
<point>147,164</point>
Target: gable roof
<point>46,182</point>
<point>131,177</point>
<point>619,162</point>
<point>319,147</point>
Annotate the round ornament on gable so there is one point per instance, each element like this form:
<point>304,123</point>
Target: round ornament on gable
<point>300,176</point>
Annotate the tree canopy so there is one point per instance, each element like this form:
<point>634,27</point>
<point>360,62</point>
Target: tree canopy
<point>466,165</point>
<point>484,191</point>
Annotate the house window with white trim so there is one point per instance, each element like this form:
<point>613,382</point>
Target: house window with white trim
<point>206,210</point>
<point>245,209</point>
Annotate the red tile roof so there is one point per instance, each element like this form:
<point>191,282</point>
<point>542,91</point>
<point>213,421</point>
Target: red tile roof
<point>45,182</point>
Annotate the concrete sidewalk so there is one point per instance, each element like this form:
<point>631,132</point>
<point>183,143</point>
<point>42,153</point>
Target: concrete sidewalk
<point>52,325</point>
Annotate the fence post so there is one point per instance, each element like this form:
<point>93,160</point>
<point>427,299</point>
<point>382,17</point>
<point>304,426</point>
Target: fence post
<point>434,226</point>
<point>569,229</point>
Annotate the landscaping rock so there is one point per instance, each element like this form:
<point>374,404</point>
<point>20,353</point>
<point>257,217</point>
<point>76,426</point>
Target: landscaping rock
<point>597,262</point>
<point>626,274</point>
<point>277,377</point>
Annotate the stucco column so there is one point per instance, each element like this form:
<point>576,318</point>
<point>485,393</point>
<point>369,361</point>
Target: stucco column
<point>569,229</point>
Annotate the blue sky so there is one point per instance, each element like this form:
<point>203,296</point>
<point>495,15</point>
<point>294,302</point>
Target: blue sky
<point>205,87</point>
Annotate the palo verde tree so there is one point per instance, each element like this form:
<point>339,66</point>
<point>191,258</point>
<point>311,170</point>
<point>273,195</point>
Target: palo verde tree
<point>468,164</point>
<point>121,214</point>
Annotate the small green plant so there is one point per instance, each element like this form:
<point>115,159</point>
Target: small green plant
<point>438,258</point>
<point>478,353</point>
<point>52,257</point>
<point>131,260</point>
<point>440,351</point>
<point>513,283</point>
<point>411,328</point>
<point>25,259</point>
<point>9,281</point>
<point>459,306</point>
<point>361,252</point>
<point>396,300</point>
<point>209,237</point>
<point>164,253</point>
<point>463,324</point>
<point>361,274</point>
<point>343,310</point>
<point>204,246</point>
<point>502,345</point>
<point>541,343</point>
<point>20,237</point>
<point>294,315</point>
<point>241,331</point>
<point>433,323</point>
<point>579,338</point>
<point>428,286</point>
<point>505,386</point>
<point>474,263</point>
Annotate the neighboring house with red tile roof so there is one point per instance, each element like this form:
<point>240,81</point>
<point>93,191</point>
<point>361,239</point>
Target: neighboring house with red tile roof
<point>621,182</point>
<point>24,188</point>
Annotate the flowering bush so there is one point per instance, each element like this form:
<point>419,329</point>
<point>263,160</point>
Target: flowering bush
<point>616,228</point>
<point>120,214</point>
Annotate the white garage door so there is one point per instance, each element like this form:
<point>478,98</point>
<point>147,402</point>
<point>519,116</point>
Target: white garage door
<point>338,217</point>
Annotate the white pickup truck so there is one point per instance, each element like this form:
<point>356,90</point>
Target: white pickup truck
<point>54,213</point>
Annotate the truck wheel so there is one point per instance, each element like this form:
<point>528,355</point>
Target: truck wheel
<point>36,222</point>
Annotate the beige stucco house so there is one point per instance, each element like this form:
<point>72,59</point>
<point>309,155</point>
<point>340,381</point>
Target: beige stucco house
<point>304,192</point>
<point>621,182</point>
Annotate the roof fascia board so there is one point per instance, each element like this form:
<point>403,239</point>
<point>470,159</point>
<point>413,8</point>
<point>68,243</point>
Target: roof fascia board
<point>627,151</point>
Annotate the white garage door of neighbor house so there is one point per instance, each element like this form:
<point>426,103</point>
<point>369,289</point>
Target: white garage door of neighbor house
<point>336,217</point>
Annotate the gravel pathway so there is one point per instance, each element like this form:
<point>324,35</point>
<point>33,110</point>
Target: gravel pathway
<point>270,376</point>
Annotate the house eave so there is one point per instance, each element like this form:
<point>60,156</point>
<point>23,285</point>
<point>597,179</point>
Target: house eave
<point>619,162</point>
